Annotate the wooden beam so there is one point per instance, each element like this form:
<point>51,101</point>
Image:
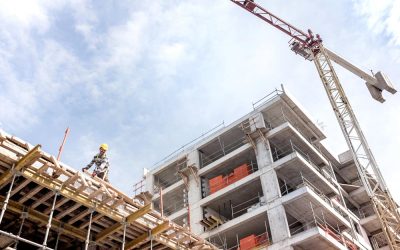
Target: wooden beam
<point>27,159</point>
<point>146,236</point>
<point>67,211</point>
<point>42,218</point>
<point>59,203</point>
<point>79,217</point>
<point>42,199</point>
<point>71,194</point>
<point>19,187</point>
<point>30,194</point>
<point>117,226</point>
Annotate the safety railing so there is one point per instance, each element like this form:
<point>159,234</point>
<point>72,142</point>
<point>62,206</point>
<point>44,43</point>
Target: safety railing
<point>280,152</point>
<point>267,98</point>
<point>252,242</point>
<point>169,176</point>
<point>206,159</point>
<point>171,204</point>
<point>329,201</point>
<point>228,179</point>
<point>283,117</point>
<point>164,182</point>
<point>138,187</point>
<point>247,206</point>
<point>319,221</point>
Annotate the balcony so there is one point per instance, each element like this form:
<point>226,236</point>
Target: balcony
<point>168,175</point>
<point>292,165</point>
<point>231,205</point>
<point>248,234</point>
<point>227,176</point>
<point>172,202</point>
<point>221,146</point>
<point>283,138</point>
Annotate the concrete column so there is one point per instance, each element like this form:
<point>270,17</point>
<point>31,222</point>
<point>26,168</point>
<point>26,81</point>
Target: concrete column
<point>194,195</point>
<point>149,182</point>
<point>278,223</point>
<point>263,149</point>
<point>269,181</point>
<point>270,186</point>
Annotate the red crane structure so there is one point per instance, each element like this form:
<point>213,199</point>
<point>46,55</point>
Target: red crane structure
<point>311,48</point>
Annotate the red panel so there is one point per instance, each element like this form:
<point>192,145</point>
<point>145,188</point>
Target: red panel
<point>248,242</point>
<point>217,183</point>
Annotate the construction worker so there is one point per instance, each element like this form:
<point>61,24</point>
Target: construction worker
<point>101,162</point>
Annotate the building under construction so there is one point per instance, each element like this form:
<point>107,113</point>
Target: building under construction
<point>266,181</point>
<point>46,204</point>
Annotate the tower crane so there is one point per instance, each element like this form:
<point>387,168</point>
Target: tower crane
<point>310,46</point>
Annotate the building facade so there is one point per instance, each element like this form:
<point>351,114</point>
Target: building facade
<point>267,181</point>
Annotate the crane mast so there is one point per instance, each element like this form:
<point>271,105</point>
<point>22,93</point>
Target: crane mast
<point>311,48</point>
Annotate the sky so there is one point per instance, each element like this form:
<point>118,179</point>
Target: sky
<point>147,77</point>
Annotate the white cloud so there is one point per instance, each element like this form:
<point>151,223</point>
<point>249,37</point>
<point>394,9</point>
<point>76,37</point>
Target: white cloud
<point>383,18</point>
<point>165,72</point>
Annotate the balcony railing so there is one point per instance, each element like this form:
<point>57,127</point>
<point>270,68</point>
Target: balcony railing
<point>206,159</point>
<point>247,206</point>
<point>319,221</point>
<point>171,204</point>
<point>252,242</point>
<point>279,153</point>
<point>219,182</point>
<point>304,182</point>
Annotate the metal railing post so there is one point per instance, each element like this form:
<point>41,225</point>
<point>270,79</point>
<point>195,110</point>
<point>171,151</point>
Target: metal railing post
<point>48,226</point>
<point>88,231</point>
<point>3,210</point>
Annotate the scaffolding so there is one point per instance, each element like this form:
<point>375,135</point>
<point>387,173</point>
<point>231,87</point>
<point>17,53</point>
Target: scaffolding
<point>59,207</point>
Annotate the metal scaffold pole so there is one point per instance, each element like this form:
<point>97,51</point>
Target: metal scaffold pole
<point>124,235</point>
<point>24,215</point>
<point>88,231</point>
<point>49,221</point>
<point>3,210</point>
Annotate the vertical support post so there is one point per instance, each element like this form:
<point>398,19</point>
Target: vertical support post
<point>58,238</point>
<point>237,241</point>
<point>3,210</point>
<point>151,240</point>
<point>48,226</point>
<point>24,215</point>
<point>124,235</point>
<point>188,208</point>
<point>88,231</point>
<point>161,202</point>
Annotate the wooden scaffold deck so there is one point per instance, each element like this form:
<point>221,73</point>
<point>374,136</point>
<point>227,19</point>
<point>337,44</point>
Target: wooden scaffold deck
<point>46,204</point>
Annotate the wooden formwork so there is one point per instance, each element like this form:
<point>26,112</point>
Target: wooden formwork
<point>54,205</point>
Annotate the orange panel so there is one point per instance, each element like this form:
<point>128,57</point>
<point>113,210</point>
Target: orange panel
<point>217,183</point>
<point>248,242</point>
<point>241,171</point>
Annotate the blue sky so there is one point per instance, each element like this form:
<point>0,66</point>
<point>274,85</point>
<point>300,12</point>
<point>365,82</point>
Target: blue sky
<point>148,76</point>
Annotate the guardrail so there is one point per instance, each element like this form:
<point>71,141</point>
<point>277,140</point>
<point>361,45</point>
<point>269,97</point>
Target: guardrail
<point>206,159</point>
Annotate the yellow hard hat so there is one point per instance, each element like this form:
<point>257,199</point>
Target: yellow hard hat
<point>104,146</point>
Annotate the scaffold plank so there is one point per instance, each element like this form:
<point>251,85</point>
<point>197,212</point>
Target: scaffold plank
<point>131,218</point>
<point>28,158</point>
<point>146,236</point>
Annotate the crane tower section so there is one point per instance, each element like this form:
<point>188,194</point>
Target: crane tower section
<point>311,48</point>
